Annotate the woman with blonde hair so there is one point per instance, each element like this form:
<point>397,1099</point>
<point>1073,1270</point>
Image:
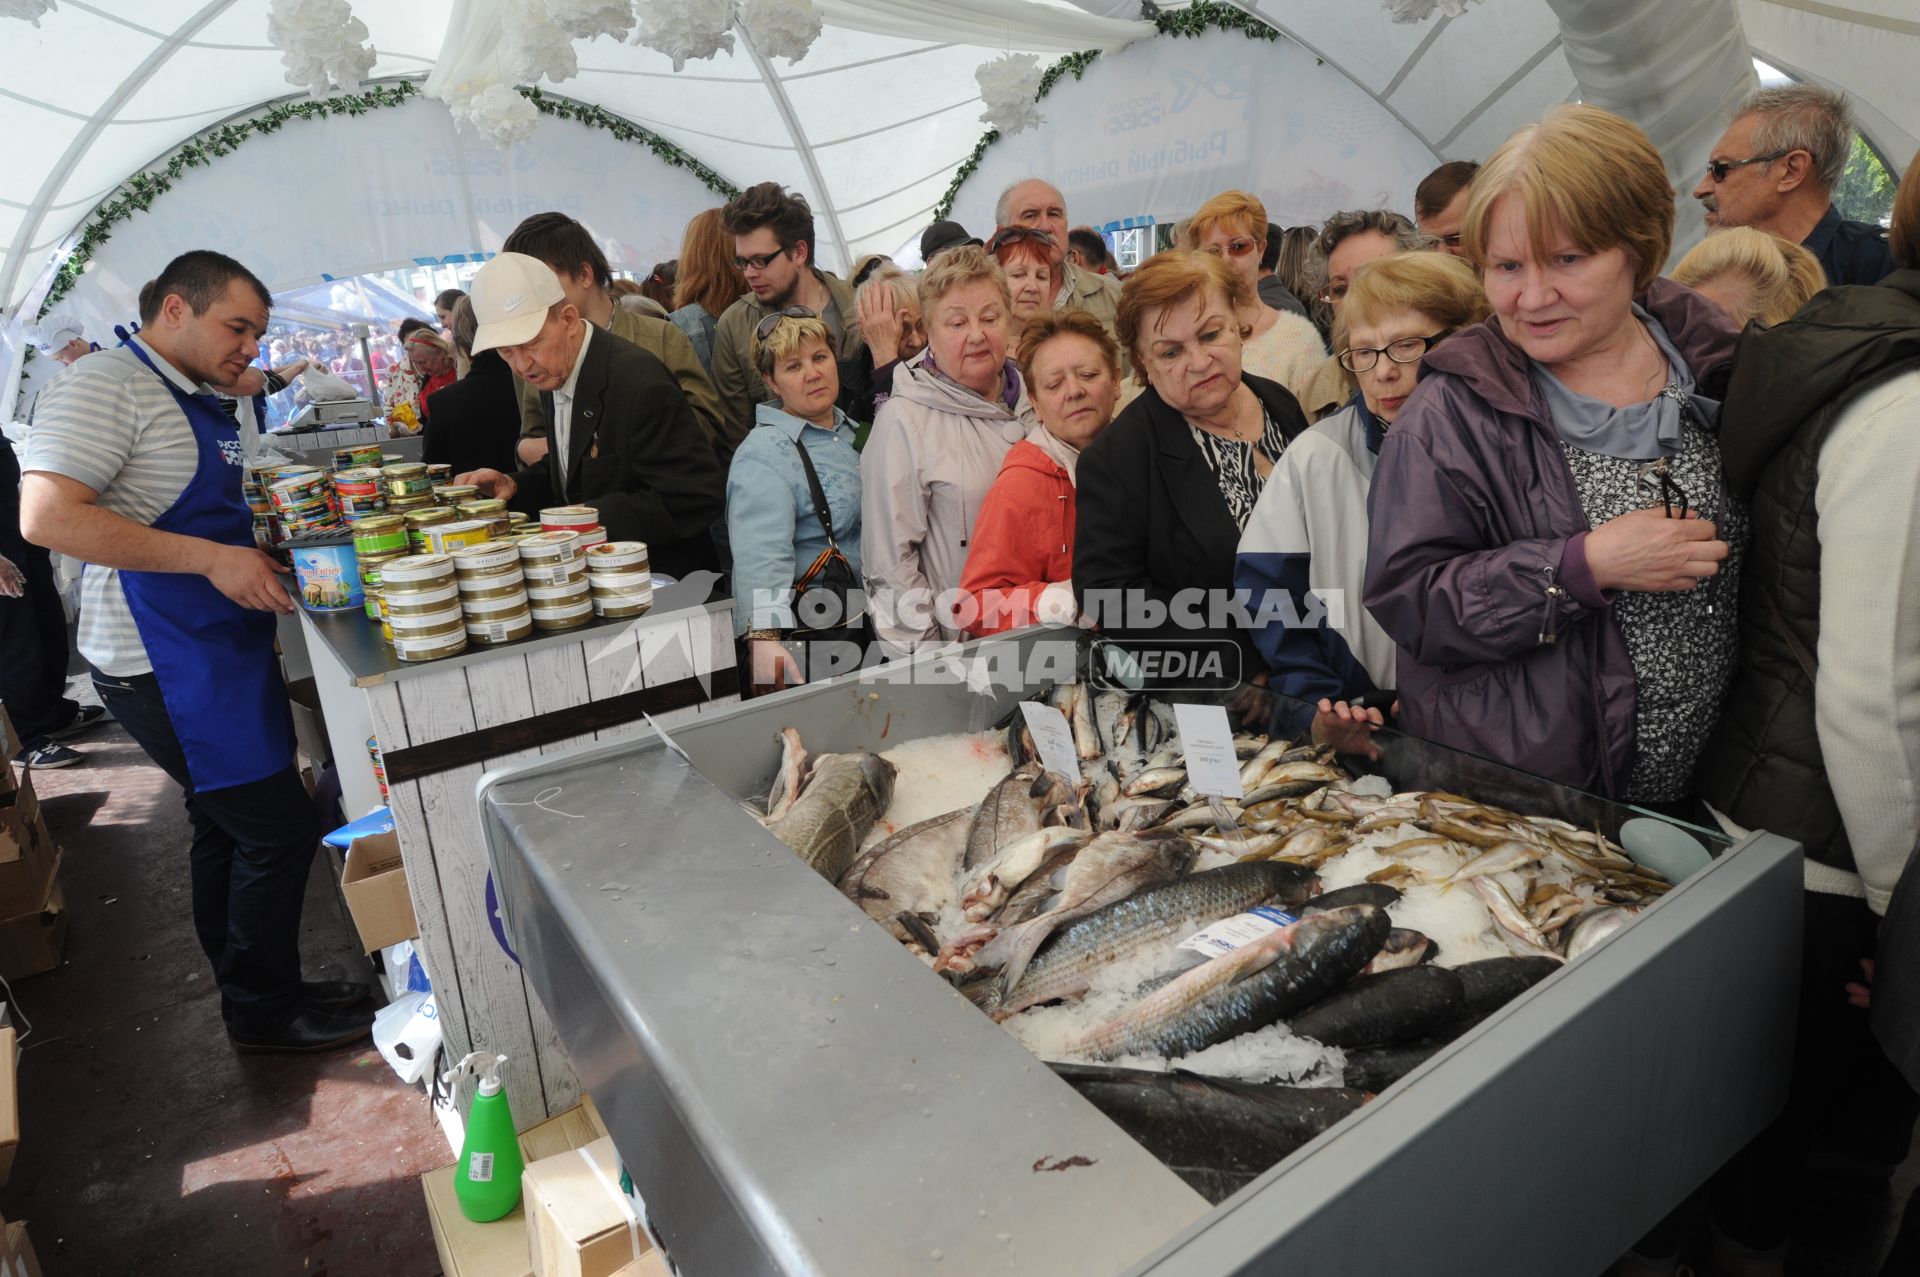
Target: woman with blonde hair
<point>1752,275</point>
<point>936,447</point>
<point>1277,344</point>
<point>1551,562</point>
<point>708,282</point>
<point>1307,540</point>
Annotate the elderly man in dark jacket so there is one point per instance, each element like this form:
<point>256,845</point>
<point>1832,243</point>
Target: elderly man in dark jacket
<point>624,440</point>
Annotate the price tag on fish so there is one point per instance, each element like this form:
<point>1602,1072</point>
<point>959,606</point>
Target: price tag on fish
<point>1053,738</point>
<point>1207,739</point>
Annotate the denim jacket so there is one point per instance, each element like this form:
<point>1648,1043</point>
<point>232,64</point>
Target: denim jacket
<point>770,516</point>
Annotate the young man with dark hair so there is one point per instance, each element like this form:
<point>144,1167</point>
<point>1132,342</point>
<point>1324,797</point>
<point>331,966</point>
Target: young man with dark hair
<point>133,468</point>
<point>1088,251</point>
<point>773,244</point>
<point>569,248</point>
<point>1272,289</point>
<point>1440,203</point>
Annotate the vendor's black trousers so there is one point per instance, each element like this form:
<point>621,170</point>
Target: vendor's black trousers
<point>253,847</point>
<point>33,651</point>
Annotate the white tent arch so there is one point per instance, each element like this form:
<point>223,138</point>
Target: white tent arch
<point>873,123</point>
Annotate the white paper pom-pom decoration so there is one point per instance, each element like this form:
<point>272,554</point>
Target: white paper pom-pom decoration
<point>780,28</point>
<point>26,10</point>
<point>585,19</point>
<point>321,43</point>
<point>498,113</point>
<point>685,30</point>
<point>1010,85</point>
<point>1420,10</point>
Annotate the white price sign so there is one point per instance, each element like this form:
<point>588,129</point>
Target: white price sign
<point>1053,738</point>
<point>1207,739</point>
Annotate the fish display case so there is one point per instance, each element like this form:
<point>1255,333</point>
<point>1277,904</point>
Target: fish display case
<point>794,1092</point>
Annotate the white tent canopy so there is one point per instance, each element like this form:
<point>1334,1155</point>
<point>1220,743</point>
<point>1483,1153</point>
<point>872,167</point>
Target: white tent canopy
<point>873,122</point>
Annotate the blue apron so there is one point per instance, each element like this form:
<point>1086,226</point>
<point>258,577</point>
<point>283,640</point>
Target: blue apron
<point>213,659</point>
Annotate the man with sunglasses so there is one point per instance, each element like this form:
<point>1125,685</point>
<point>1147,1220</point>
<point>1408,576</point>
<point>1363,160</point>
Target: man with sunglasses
<point>1775,169</point>
<point>1040,206</point>
<point>773,244</point>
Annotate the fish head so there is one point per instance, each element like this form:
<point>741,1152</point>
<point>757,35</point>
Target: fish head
<point>878,774</point>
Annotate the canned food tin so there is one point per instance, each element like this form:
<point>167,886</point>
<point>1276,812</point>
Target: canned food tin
<point>560,518</point>
<point>617,556</point>
<point>329,578</point>
<point>493,609</point>
<point>493,511</point>
<point>504,629</point>
<point>299,492</point>
<point>460,534</point>
<point>418,603</point>
<point>354,509</point>
<point>557,595</point>
<point>419,522</point>
<point>370,565</point>
<point>371,592</point>
<point>404,506</point>
<point>486,559</point>
<point>550,573</point>
<point>435,621</point>
<point>590,537</point>
<point>503,587</point>
<point>356,456</point>
<point>626,584</point>
<point>409,648</point>
<point>455,493</point>
<point>439,472</point>
<point>550,547</point>
<point>623,606</point>
<point>358,481</point>
<point>380,534</point>
<point>407,479</point>
<point>568,617</point>
<point>414,572</point>
<point>517,518</point>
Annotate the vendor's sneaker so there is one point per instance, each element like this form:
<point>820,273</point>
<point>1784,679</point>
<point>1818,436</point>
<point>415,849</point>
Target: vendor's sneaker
<point>89,716</point>
<point>51,754</point>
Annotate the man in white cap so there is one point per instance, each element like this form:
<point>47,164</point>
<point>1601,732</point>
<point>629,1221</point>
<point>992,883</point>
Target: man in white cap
<point>624,439</point>
<point>61,337</point>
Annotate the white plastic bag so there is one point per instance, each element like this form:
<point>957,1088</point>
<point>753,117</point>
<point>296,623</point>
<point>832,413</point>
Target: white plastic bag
<point>407,1032</point>
<point>323,387</point>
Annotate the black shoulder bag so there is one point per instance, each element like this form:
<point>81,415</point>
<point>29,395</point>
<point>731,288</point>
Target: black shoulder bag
<point>829,601</point>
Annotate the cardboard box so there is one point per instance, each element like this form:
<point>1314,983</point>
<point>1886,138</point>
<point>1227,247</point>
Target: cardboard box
<point>579,1224</point>
<point>309,722</point>
<point>20,820</point>
<point>33,942</point>
<point>651,1264</point>
<point>499,1248</point>
<point>375,884</point>
<point>9,1105</point>
<point>21,1261</point>
<point>28,857</point>
<point>9,741</point>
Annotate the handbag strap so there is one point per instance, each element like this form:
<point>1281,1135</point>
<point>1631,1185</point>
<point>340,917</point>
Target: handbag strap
<point>820,508</point>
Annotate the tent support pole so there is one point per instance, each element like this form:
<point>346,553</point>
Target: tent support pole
<point>792,122</point>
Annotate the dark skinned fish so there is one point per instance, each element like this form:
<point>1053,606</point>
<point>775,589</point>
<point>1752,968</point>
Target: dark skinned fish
<point>1017,805</point>
<point>1262,981</point>
<point>1384,1010</point>
<point>1377,894</point>
<point>843,796</point>
<point>1215,1133</point>
<point>1375,1068</point>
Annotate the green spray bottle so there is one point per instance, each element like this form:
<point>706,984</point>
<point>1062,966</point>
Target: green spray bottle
<point>487,1183</point>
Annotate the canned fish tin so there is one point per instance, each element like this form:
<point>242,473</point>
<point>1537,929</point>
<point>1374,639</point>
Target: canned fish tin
<point>329,578</point>
<point>380,534</point>
<point>549,573</point>
<point>629,556</point>
<point>440,472</point>
<point>566,518</point>
<point>404,506</point>
<point>370,565</point>
<point>429,648</point>
<point>433,621</point>
<point>492,511</point>
<point>407,479</point>
<point>455,493</point>
<point>419,522</point>
<point>504,629</point>
<point>550,547</point>
<point>503,587</point>
<point>517,519</point>
<point>357,456</point>
<point>591,537</point>
<point>371,592</point>
<point>620,606</point>
<point>488,559</point>
<point>299,492</point>
<point>557,595</point>
<point>611,583</point>
<point>418,603</point>
<point>493,609</point>
<point>567,617</point>
<point>460,534</point>
<point>415,572</point>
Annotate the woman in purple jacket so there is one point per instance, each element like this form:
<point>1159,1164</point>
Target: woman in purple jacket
<point>1554,557</point>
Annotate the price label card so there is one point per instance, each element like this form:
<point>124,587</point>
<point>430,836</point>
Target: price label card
<point>1207,739</point>
<point>1053,738</point>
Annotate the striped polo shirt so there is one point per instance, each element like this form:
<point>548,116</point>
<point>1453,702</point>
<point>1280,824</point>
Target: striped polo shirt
<point>109,423</point>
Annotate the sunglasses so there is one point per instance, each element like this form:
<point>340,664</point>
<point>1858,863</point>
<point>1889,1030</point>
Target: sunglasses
<point>759,261</point>
<point>1718,169</point>
<point>766,326</point>
<point>1015,234</point>
<point>1234,248</point>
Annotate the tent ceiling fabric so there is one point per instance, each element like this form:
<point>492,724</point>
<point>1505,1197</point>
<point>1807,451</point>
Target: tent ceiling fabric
<point>871,124</point>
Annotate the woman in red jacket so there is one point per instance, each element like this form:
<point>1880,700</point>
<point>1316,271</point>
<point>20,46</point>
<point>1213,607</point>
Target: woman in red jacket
<point>1020,566</point>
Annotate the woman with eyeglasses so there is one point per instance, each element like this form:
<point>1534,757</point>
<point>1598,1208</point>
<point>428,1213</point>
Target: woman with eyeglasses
<point>936,447</point>
<point>1303,556</point>
<point>1280,346</point>
<point>1020,565</point>
<point>1165,492</point>
<point>1556,560</point>
<point>793,508</point>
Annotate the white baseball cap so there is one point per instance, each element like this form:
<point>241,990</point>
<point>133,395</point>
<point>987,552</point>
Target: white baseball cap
<point>56,330</point>
<point>510,296</point>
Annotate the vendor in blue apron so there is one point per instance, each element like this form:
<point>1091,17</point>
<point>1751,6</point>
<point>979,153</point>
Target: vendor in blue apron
<point>133,468</point>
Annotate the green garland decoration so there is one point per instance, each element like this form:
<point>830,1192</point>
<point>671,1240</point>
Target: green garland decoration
<point>137,193</point>
<point>1196,20</point>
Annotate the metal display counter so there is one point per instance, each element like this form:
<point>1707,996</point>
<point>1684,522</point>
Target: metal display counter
<point>795,1093</point>
<point>440,725</point>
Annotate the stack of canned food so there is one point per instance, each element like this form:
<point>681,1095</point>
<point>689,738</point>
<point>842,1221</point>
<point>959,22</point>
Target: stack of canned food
<point>620,578</point>
<point>420,608</point>
<point>556,574</point>
<point>493,592</point>
<point>581,520</point>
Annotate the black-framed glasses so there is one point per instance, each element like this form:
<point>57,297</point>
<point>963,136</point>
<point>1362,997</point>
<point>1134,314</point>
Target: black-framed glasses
<point>1718,169</point>
<point>1408,350</point>
<point>759,261</point>
<point>1015,234</point>
<point>766,326</point>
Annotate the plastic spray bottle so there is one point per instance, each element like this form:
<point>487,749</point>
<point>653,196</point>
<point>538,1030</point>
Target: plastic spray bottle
<point>487,1183</point>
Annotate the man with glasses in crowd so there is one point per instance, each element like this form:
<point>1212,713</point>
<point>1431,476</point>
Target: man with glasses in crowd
<point>1040,206</point>
<point>773,246</point>
<point>1776,168</point>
